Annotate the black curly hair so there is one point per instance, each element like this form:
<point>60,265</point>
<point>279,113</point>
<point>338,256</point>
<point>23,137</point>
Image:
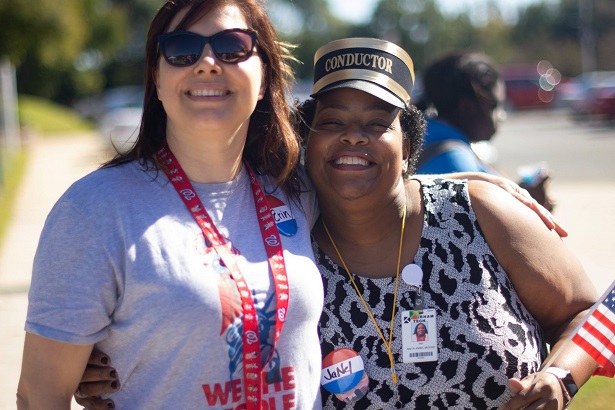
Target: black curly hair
<point>459,74</point>
<point>412,126</point>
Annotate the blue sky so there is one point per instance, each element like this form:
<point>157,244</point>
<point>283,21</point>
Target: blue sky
<point>361,9</point>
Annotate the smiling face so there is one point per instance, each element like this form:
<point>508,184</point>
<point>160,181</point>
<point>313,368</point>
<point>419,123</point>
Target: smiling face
<point>355,147</point>
<point>210,95</point>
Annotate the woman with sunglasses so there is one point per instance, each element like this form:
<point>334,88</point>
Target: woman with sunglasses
<point>162,257</point>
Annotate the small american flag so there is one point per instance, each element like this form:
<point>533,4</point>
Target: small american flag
<point>597,334</point>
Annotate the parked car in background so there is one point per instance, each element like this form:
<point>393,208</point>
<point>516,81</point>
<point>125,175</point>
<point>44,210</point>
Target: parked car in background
<point>602,105</point>
<point>529,86</point>
<point>590,95</point>
<point>119,127</point>
<point>117,111</point>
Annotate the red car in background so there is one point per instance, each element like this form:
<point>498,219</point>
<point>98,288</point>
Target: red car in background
<point>529,86</point>
<point>591,96</point>
<point>603,101</point>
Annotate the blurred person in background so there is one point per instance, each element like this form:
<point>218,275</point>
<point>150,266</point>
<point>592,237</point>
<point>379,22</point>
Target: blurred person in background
<point>463,99</point>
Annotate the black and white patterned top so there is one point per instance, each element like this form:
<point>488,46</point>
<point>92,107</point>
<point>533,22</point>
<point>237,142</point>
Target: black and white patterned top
<point>485,334</point>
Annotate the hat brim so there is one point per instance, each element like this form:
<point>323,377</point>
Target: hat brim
<point>365,86</point>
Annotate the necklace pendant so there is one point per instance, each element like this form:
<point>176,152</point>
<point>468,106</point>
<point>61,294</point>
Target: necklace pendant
<point>394,377</point>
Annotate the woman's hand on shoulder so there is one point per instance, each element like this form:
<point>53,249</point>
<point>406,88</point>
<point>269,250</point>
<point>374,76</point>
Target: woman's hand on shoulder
<point>517,192</point>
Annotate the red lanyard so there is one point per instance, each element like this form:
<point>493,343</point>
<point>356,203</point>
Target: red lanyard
<point>271,239</point>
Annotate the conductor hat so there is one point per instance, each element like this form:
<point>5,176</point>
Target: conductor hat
<point>375,66</point>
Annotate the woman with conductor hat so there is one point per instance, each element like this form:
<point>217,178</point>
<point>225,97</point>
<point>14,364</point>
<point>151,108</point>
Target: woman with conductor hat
<point>480,270</point>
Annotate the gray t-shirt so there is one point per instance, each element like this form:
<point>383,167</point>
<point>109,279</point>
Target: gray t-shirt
<point>121,263</point>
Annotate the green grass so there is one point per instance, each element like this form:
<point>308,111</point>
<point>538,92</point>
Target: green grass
<point>46,117</point>
<point>13,167</point>
<point>597,394</point>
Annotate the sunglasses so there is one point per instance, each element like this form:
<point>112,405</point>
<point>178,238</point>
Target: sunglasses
<point>184,48</point>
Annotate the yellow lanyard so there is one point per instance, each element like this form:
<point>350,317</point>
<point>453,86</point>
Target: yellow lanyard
<point>369,312</point>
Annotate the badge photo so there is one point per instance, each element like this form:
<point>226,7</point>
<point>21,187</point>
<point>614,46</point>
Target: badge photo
<point>419,336</point>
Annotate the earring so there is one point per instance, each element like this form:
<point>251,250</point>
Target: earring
<point>404,166</point>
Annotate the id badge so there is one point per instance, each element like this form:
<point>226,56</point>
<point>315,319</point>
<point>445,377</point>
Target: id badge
<point>419,336</point>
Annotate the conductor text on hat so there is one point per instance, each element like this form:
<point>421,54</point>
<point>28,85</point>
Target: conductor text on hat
<point>367,60</point>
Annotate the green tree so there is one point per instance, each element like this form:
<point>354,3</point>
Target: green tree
<point>41,39</point>
<point>309,25</point>
<point>553,32</point>
<point>420,28</point>
<point>126,65</point>
<point>65,49</point>
<point>60,46</point>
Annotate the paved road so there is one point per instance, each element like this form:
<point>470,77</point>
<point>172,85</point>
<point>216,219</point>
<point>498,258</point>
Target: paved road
<point>581,156</point>
<point>582,159</point>
<point>576,152</point>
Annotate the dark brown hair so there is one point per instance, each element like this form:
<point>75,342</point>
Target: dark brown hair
<point>272,146</point>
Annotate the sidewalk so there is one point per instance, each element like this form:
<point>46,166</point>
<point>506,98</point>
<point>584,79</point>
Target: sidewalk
<point>54,163</point>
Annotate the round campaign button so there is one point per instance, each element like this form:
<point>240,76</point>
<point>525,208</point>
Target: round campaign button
<point>344,375</point>
<point>413,275</point>
<point>287,225</point>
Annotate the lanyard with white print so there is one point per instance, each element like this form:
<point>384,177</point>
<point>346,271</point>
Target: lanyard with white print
<point>252,366</point>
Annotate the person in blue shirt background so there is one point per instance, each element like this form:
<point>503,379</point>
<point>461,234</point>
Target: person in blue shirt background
<point>463,101</point>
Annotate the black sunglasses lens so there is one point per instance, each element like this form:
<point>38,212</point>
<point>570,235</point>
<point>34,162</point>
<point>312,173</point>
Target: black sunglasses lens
<point>183,49</point>
<point>232,46</point>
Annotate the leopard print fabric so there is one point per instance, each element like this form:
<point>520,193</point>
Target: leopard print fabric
<point>485,334</point>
